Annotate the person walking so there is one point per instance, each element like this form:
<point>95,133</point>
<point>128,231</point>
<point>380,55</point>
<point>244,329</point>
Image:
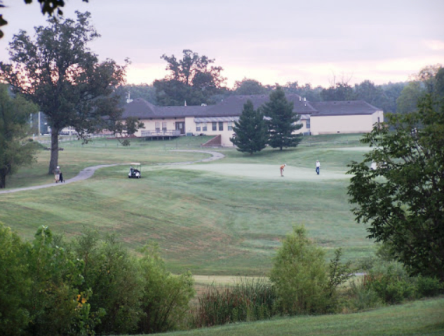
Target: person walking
<point>318,167</point>
<point>282,170</point>
<point>57,172</point>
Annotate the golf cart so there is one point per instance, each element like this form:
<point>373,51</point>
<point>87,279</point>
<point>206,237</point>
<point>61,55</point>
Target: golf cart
<point>135,170</point>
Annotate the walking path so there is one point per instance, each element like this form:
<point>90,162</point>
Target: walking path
<point>88,172</point>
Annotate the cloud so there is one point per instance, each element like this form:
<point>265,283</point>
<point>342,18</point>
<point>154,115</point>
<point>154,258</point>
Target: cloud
<point>434,44</point>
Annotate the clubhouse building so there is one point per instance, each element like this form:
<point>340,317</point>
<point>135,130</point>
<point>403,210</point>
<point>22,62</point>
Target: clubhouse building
<point>329,117</point>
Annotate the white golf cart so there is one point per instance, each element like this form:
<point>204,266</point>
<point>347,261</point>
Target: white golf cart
<point>135,170</point>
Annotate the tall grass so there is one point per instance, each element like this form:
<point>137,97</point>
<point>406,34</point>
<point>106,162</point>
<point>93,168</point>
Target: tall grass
<point>248,300</point>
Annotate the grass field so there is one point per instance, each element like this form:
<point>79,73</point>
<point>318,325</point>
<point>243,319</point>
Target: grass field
<point>420,318</point>
<point>220,218</point>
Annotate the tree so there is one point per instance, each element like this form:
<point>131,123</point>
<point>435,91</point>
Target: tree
<point>249,87</point>
<point>15,150</point>
<point>312,94</point>
<point>192,80</point>
<point>402,200</point>
<point>338,92</point>
<point>410,95</point>
<point>300,275</point>
<point>64,78</point>
<point>250,131</point>
<point>282,121</point>
<point>47,7</point>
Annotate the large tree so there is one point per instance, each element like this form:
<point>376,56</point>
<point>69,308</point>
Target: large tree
<point>402,200</point>
<point>46,6</point>
<point>58,72</point>
<point>407,101</point>
<point>15,150</point>
<point>192,79</point>
<point>282,122</point>
<point>250,131</point>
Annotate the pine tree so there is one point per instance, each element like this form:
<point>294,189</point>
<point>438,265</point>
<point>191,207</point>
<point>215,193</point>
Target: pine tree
<point>251,131</point>
<point>281,121</point>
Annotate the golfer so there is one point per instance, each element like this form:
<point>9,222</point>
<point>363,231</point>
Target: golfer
<point>282,170</point>
<point>318,167</point>
<point>57,172</point>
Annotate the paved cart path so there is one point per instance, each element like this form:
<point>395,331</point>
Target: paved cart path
<point>88,172</point>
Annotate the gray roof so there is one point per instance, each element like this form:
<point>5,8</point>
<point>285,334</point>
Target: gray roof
<point>335,108</point>
<point>233,106</point>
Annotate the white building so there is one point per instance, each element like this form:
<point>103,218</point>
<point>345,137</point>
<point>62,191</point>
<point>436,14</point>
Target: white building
<point>315,117</point>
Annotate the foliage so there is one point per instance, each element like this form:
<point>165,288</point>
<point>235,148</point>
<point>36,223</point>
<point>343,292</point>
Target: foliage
<point>300,275</point>
<point>410,95</point>
<point>193,80</point>
<point>68,84</point>
<point>111,273</point>
<point>402,201</point>
<point>249,300</point>
<point>426,286</point>
<point>14,284</point>
<point>338,92</point>
<point>282,121</point>
<point>250,131</point>
<point>15,151</point>
<point>127,129</point>
<point>166,297</point>
<point>312,94</point>
<point>249,87</point>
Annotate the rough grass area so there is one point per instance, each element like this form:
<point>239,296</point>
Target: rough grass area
<point>221,218</point>
<point>421,318</point>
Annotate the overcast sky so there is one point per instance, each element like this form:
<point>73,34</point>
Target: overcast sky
<point>280,41</point>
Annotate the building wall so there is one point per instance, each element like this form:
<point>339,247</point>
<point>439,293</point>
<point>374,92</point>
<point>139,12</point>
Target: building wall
<point>343,124</point>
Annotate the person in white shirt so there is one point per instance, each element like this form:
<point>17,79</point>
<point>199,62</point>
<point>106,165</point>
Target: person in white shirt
<point>318,167</point>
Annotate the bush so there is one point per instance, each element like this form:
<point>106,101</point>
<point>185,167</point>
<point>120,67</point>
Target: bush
<point>426,286</point>
<point>300,276</point>
<point>112,276</point>
<point>14,284</point>
<point>165,299</point>
<point>249,300</point>
<point>391,282</point>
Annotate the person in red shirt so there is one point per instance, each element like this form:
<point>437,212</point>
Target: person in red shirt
<point>282,170</point>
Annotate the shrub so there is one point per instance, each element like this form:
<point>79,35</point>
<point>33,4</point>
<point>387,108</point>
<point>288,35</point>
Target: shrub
<point>14,284</point>
<point>165,299</point>
<point>300,276</point>
<point>249,300</point>
<point>426,286</point>
<point>112,275</point>
<point>362,297</point>
<point>391,282</point>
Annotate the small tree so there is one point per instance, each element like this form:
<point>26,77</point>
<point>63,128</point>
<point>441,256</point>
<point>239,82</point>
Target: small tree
<point>403,201</point>
<point>15,150</point>
<point>300,275</point>
<point>282,121</point>
<point>250,131</point>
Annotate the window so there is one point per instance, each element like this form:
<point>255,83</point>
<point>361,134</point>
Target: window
<point>204,127</point>
<point>214,126</point>
<point>221,126</point>
<point>164,126</point>
<point>157,126</point>
<point>230,125</point>
<point>308,123</point>
<point>197,127</point>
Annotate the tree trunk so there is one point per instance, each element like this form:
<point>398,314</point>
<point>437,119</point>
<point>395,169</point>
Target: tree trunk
<point>53,163</point>
<point>2,178</point>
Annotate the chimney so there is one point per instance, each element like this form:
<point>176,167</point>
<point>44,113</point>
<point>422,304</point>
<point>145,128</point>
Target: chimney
<point>185,104</point>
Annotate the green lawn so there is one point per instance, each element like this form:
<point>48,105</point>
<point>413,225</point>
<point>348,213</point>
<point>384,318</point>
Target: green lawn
<point>421,318</point>
<point>220,218</point>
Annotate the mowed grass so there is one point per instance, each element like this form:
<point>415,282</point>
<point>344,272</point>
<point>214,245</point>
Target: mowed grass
<point>421,318</point>
<point>204,220</point>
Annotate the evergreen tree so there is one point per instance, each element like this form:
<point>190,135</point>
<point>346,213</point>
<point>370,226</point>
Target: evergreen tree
<point>282,121</point>
<point>251,130</point>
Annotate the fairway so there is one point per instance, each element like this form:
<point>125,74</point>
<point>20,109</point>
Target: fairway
<point>225,217</point>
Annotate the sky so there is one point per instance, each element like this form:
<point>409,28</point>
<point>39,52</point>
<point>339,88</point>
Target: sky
<point>313,41</point>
